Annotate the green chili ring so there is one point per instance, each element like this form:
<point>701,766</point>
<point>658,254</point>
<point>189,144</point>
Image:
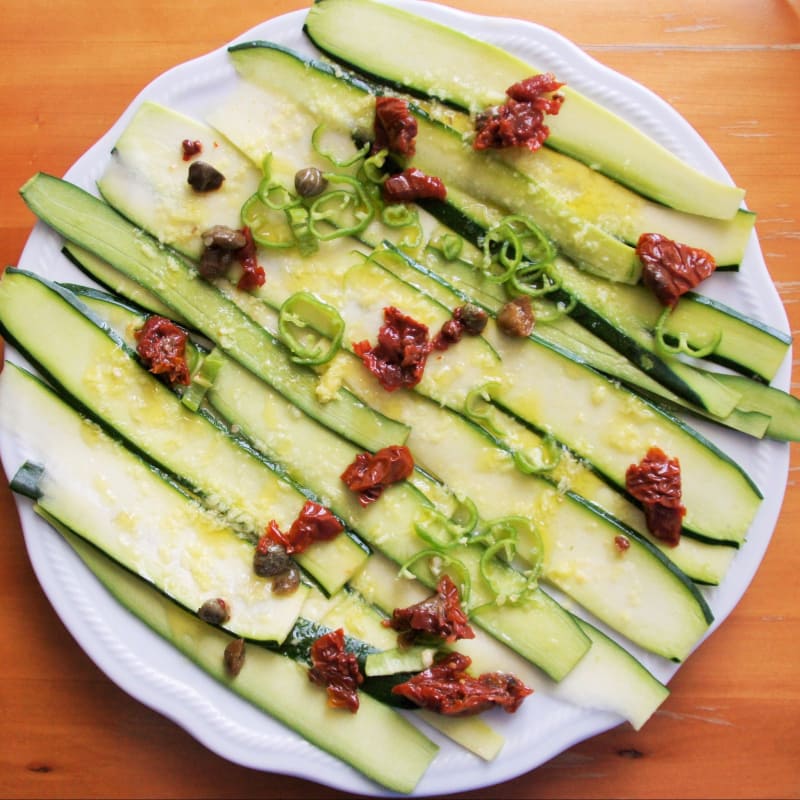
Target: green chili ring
<point>477,397</point>
<point>318,214</point>
<point>256,216</point>
<point>465,589</point>
<point>528,271</point>
<point>303,310</point>
<point>456,527</point>
<point>552,458</point>
<point>268,188</point>
<point>683,347</point>
<point>327,154</point>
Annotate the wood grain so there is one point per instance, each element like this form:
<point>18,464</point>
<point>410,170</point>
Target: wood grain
<point>731,728</point>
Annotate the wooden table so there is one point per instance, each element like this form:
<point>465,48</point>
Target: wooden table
<point>732,725</point>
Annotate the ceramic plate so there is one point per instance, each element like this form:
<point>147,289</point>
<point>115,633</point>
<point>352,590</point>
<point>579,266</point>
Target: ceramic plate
<point>154,673</point>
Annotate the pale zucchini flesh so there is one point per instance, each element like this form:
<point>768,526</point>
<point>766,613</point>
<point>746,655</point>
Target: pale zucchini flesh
<point>360,292</point>
<point>622,684</point>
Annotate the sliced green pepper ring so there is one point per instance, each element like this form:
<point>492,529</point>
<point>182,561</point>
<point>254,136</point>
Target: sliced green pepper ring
<point>548,458</point>
<point>452,245</point>
<point>269,227</point>
<point>306,316</point>
<point>348,212</point>
<point>535,280</point>
<point>445,560</point>
<point>340,163</point>
<point>440,531</point>
<point>502,550</point>
<point>682,347</point>
<point>275,196</point>
<point>478,406</point>
<point>373,167</point>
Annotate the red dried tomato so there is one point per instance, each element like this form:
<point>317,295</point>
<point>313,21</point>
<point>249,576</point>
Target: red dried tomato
<point>336,669</point>
<point>253,275</point>
<point>395,127</point>
<point>162,347</point>
<point>520,120</point>
<point>191,148</point>
<point>412,184</point>
<point>446,688</point>
<point>440,615</point>
<point>399,357</point>
<point>369,475</point>
<point>314,524</point>
<point>670,268</point>
<point>656,482</point>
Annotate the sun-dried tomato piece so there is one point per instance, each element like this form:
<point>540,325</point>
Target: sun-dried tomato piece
<point>520,120</point>
<point>253,274</point>
<point>446,688</point>
<point>413,184</point>
<point>656,483</point>
<point>191,148</point>
<point>395,127</point>
<point>161,344</point>
<point>537,90</point>
<point>398,359</point>
<point>670,268</point>
<point>439,615</point>
<point>314,523</point>
<point>368,475</point>
<point>336,669</point>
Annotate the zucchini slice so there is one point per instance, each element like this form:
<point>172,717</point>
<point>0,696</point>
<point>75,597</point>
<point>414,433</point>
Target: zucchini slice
<point>107,494</point>
<point>617,682</point>
<point>423,57</point>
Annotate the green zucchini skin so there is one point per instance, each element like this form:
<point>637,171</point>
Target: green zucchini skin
<point>473,75</point>
<point>441,150</point>
<point>399,754</point>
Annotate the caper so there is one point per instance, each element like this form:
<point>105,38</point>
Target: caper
<point>472,318</point>
<point>271,559</point>
<point>214,262</point>
<point>220,245</point>
<point>224,237</point>
<point>203,177</point>
<point>516,317</point>
<point>233,657</point>
<point>214,611</point>
<point>309,182</point>
<point>287,582</point>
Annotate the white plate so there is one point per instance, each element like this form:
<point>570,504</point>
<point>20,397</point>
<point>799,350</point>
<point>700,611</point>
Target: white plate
<point>157,675</point>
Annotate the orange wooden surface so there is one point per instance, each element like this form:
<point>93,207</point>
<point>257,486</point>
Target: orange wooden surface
<point>731,727</point>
